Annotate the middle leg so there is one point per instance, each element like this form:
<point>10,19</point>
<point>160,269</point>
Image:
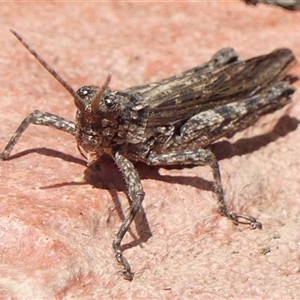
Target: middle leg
<point>204,157</point>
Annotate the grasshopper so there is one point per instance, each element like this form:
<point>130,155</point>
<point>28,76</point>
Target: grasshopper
<point>170,122</point>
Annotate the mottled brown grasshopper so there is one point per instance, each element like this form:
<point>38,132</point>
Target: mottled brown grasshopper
<point>172,121</point>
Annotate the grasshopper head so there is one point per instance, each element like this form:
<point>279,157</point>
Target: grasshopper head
<point>98,102</point>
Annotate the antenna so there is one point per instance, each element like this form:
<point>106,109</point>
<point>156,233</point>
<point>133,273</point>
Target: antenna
<point>78,100</point>
<point>95,103</point>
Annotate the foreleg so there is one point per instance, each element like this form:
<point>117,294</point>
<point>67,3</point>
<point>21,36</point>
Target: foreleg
<point>38,118</point>
<point>136,196</point>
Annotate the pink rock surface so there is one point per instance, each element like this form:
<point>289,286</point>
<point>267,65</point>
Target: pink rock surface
<point>58,219</point>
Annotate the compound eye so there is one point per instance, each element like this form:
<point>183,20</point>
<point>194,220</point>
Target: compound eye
<point>110,101</point>
<point>85,91</point>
